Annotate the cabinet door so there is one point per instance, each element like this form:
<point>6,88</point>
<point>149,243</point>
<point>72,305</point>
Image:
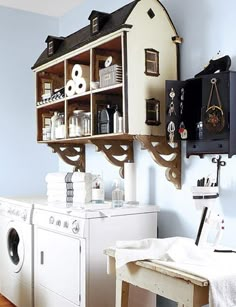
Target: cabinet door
<point>58,264</point>
<point>183,108</point>
<point>175,109</point>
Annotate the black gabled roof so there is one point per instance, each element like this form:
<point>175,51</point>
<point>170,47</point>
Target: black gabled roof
<point>115,21</point>
<point>50,37</point>
<point>97,13</point>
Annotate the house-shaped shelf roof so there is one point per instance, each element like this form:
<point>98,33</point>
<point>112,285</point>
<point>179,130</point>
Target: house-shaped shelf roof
<point>115,21</point>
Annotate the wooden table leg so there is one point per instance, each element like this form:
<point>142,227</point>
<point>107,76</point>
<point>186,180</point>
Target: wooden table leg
<point>122,293</point>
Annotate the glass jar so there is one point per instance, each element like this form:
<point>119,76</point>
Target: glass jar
<point>76,123</point>
<point>97,189</point>
<point>60,126</point>
<point>87,123</point>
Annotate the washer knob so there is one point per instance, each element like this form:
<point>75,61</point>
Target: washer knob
<point>75,226</point>
<point>58,223</point>
<point>51,220</point>
<point>66,224</point>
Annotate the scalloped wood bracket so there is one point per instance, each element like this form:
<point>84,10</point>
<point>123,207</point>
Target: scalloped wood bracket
<point>116,151</point>
<point>158,147</point>
<point>72,154</point>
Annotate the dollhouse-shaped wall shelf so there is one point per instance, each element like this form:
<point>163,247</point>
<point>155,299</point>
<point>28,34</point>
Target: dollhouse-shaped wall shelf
<point>107,67</point>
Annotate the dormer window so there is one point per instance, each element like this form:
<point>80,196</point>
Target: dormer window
<point>152,62</point>
<point>53,44</point>
<point>97,21</point>
<point>95,27</point>
<point>50,48</point>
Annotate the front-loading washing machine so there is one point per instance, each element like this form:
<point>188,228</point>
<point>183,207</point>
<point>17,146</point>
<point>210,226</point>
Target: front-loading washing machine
<point>16,255</point>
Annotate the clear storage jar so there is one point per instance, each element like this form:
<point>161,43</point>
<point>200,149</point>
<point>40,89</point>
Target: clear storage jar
<point>76,124</point>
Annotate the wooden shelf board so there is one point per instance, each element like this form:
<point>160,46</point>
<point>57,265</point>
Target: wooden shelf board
<point>108,88</point>
<point>50,104</point>
<point>88,139</point>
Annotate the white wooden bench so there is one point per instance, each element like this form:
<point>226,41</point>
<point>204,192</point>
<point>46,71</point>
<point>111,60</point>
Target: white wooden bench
<point>186,289</point>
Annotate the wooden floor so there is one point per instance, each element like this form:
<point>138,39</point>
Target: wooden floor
<point>4,302</point>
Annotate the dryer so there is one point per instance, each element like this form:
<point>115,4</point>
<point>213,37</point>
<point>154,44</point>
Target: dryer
<point>70,265</point>
<point>16,256</point>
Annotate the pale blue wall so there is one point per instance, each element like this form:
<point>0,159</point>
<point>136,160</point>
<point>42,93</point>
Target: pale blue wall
<point>78,17</point>
<point>23,163</point>
<point>207,27</point>
<point>198,22</point>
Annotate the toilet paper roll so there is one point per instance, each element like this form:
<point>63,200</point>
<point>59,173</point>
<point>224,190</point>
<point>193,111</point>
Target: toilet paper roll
<point>130,182</point>
<point>70,88</point>
<point>79,71</point>
<point>81,85</point>
<point>108,61</point>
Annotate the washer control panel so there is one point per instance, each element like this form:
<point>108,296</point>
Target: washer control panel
<point>62,223</point>
<point>17,212</point>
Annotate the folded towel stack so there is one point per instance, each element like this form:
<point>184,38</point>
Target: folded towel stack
<point>74,187</point>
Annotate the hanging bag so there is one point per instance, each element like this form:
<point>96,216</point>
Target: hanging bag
<point>214,120</point>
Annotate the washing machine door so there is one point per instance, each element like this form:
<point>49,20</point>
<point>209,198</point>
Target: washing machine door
<point>15,246</point>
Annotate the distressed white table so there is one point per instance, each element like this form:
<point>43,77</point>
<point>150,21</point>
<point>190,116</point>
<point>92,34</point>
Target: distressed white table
<point>186,289</point>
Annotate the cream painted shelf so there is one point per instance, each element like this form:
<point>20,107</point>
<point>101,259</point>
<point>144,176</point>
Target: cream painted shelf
<point>141,81</point>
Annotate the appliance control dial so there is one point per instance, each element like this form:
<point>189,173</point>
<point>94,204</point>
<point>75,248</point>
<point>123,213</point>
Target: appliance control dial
<point>75,226</point>
<point>58,222</point>
<point>66,224</point>
<point>51,220</point>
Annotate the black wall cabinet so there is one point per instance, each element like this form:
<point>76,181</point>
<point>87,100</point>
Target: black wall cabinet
<point>203,111</point>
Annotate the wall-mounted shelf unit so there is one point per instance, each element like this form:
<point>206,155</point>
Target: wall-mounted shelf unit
<point>104,68</point>
<point>208,110</point>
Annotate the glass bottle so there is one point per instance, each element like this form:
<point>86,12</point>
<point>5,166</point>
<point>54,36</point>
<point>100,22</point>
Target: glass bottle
<point>53,125</point>
<point>117,195</point>
<point>60,126</point>
<point>116,116</point>
<point>87,123</point>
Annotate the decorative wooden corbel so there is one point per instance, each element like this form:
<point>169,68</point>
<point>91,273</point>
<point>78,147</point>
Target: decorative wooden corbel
<point>159,147</point>
<point>116,151</point>
<point>73,154</point>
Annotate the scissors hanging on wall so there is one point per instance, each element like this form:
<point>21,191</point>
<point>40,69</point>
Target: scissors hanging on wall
<point>219,163</point>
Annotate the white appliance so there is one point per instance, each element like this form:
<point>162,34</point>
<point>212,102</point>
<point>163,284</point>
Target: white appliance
<point>70,265</point>
<point>16,252</point>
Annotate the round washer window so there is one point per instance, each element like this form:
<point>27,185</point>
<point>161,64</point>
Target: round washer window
<point>13,243</point>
